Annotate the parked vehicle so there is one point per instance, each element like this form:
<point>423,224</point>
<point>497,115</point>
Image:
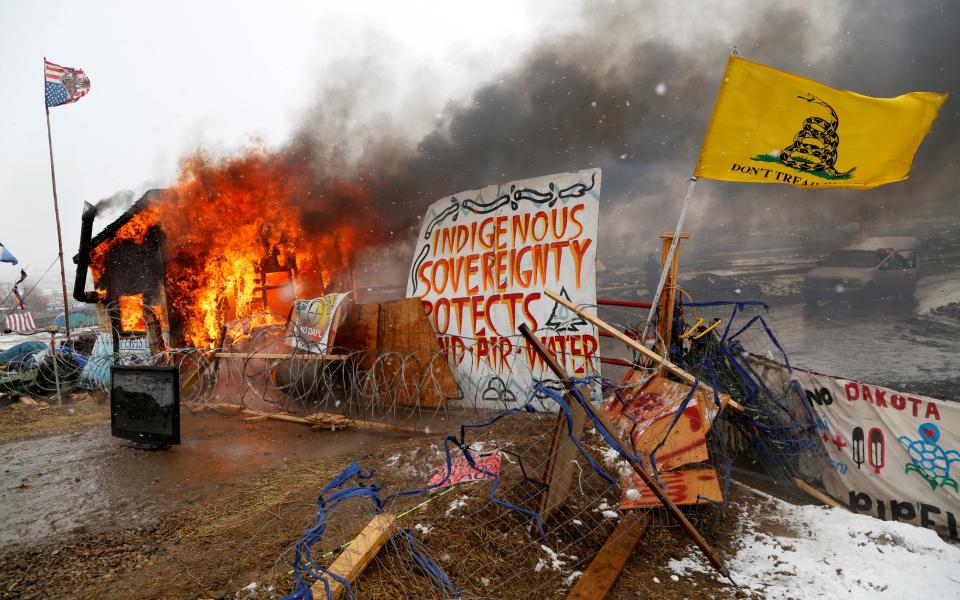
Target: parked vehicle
<point>875,268</point>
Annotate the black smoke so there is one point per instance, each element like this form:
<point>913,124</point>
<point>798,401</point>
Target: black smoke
<point>630,89</point>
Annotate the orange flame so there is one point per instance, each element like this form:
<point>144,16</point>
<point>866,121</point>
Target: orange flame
<point>228,223</point>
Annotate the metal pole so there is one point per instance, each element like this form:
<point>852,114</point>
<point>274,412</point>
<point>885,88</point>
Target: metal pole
<point>56,211</point>
<point>56,366</point>
<point>669,259</point>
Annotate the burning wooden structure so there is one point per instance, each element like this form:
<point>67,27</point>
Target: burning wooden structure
<point>194,273</point>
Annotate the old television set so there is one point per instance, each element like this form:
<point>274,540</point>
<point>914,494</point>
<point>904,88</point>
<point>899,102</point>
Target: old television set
<point>145,405</point>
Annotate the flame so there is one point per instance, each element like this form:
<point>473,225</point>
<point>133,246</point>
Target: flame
<point>228,219</point>
<point>132,311</point>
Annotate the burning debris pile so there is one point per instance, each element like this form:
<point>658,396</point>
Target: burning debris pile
<point>236,237</point>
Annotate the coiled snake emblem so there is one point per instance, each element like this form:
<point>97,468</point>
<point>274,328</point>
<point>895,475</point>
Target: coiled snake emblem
<point>814,148</point>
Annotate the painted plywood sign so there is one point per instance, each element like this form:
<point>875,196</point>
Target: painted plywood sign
<point>892,454</point>
<point>482,262</point>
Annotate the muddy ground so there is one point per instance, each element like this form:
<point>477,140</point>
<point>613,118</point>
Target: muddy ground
<point>84,516</point>
<point>212,517</point>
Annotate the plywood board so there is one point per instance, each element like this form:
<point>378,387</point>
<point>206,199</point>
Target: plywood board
<point>693,486</point>
<point>405,334</point>
<point>646,414</point>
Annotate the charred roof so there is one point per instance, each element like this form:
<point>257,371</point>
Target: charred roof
<point>110,230</point>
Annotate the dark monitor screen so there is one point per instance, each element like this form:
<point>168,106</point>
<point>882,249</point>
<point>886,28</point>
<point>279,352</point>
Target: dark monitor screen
<point>145,403</point>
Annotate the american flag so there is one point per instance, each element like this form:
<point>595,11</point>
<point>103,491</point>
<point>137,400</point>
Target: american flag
<point>20,322</point>
<point>64,84</point>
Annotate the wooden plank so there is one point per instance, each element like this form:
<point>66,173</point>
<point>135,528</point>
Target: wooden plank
<point>327,420</point>
<point>356,556</point>
<point>255,419</point>
<point>803,485</point>
<point>275,356</point>
<point>377,426</point>
<point>613,331</point>
<point>558,472</point>
<point>598,579</point>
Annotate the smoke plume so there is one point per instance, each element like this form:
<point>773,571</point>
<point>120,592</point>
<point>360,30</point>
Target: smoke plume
<point>630,89</point>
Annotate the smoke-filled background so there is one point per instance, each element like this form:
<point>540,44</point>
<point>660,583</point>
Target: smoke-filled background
<point>626,86</point>
<point>630,89</point>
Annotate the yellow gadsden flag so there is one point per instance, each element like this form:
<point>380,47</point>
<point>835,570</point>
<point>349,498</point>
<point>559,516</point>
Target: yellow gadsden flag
<point>773,127</point>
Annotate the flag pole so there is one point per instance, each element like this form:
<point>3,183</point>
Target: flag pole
<point>56,210</point>
<point>669,261</point>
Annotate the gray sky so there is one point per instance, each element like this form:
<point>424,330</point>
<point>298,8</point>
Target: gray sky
<point>169,77</point>
<point>491,91</point>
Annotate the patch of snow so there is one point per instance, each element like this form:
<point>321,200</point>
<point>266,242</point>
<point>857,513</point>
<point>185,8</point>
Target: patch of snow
<point>836,553</point>
<point>632,494</point>
<point>577,522</point>
<point>555,560</point>
<point>571,578</point>
<point>485,581</point>
<point>424,529</point>
<point>392,461</point>
<point>656,580</point>
<point>457,504</point>
<point>610,514</point>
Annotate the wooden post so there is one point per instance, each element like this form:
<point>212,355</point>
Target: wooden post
<point>668,297</point>
<point>356,556</point>
<point>611,431</point>
<point>803,485</point>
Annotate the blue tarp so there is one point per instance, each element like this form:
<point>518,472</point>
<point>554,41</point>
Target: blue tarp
<point>20,351</point>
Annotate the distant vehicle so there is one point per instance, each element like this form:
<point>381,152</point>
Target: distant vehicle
<point>710,287</point>
<point>880,267</point>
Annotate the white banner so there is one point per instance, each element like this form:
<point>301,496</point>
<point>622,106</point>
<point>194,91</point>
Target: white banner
<point>893,455</point>
<point>481,264</point>
<point>315,322</point>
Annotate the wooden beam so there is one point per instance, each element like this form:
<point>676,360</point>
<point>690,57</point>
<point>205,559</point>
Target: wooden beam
<point>558,472</point>
<point>326,420</point>
<point>356,556</point>
<point>598,579</point>
<point>377,426</point>
<point>613,331</point>
<point>647,478</point>
<point>803,485</point>
<point>278,356</point>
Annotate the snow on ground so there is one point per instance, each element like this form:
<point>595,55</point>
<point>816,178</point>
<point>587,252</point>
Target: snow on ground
<point>805,552</point>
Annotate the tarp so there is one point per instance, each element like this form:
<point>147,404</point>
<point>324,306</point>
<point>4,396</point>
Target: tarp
<point>893,454</point>
<point>77,319</point>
